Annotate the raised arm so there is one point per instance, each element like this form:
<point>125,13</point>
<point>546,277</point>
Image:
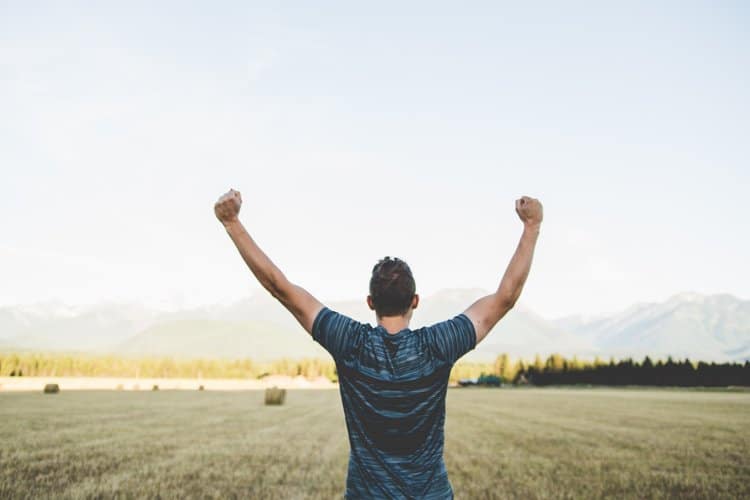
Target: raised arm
<point>487,311</point>
<point>296,299</point>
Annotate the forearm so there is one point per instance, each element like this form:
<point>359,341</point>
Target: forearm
<point>518,269</point>
<point>487,311</point>
<point>269,276</point>
<point>296,299</point>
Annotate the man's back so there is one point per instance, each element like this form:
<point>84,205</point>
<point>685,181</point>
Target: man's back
<point>393,389</point>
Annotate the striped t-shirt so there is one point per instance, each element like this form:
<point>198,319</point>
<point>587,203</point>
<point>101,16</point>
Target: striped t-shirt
<point>393,389</point>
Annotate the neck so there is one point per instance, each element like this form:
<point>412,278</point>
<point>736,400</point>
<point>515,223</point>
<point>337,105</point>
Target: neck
<point>393,324</point>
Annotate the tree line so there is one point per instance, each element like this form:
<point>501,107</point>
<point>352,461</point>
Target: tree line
<point>558,370</point>
<point>70,365</point>
<point>553,370</point>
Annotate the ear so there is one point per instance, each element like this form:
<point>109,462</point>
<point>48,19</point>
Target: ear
<point>369,303</point>
<point>415,301</point>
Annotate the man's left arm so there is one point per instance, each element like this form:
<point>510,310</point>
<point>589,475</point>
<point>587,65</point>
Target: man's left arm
<point>296,299</point>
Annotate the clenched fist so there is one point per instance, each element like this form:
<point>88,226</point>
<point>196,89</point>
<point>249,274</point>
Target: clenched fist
<point>228,206</point>
<point>529,210</point>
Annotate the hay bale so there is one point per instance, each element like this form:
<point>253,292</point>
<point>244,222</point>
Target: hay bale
<point>155,388</point>
<point>275,396</point>
<point>51,389</point>
<point>201,388</point>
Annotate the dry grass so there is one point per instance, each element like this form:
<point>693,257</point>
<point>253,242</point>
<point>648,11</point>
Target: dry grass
<point>522,443</point>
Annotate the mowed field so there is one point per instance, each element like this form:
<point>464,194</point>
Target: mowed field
<point>500,443</point>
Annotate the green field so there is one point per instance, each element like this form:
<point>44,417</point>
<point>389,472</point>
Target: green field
<point>514,443</point>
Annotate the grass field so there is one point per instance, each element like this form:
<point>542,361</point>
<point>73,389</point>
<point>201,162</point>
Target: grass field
<point>514,443</point>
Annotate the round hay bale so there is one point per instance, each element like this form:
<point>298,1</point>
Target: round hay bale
<point>201,388</point>
<point>155,388</point>
<point>275,396</point>
<point>51,389</point>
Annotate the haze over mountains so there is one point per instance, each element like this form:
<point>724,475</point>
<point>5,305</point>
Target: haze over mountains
<point>700,327</point>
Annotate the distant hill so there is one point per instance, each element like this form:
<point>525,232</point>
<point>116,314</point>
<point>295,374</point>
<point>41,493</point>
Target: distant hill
<point>56,327</point>
<point>195,338</point>
<point>711,328</point>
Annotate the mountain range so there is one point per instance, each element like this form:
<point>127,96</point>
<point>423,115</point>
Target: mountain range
<point>687,325</point>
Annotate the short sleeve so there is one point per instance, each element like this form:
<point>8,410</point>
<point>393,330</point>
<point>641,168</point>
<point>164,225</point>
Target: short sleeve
<point>452,338</point>
<point>337,333</point>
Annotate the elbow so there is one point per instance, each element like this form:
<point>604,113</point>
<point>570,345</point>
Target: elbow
<point>275,291</point>
<point>278,288</point>
<point>506,302</point>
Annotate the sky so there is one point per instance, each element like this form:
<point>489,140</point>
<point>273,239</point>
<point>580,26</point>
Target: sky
<point>358,131</point>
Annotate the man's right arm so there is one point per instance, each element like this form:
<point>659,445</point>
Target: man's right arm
<point>303,306</point>
<point>487,311</point>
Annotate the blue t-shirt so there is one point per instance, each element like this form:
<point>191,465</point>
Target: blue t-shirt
<point>393,389</point>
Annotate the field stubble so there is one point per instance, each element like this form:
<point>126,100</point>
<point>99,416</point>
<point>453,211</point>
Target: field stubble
<point>515,443</point>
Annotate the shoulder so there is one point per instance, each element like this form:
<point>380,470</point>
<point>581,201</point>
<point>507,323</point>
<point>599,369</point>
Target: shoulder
<point>331,320</point>
<point>452,338</point>
<point>458,322</point>
<point>325,312</point>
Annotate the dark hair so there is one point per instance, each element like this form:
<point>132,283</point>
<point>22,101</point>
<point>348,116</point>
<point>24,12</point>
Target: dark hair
<point>392,287</point>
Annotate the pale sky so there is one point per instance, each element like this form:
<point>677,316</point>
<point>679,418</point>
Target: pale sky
<point>355,132</point>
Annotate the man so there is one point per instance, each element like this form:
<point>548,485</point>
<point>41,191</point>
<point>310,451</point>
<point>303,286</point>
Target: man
<point>392,380</point>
